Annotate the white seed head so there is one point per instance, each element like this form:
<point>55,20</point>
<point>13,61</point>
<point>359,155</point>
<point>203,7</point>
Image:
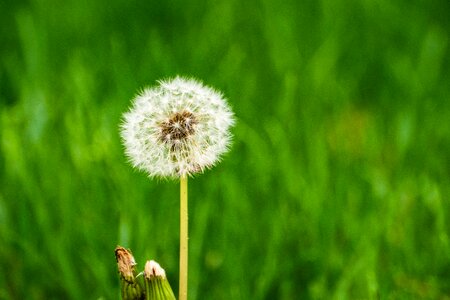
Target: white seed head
<point>178,128</point>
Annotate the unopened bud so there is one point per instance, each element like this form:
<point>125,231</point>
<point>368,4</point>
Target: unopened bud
<point>131,288</point>
<point>125,263</point>
<point>157,286</point>
<point>153,269</point>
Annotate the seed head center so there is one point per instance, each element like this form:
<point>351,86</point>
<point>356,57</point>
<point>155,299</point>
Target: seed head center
<point>177,128</point>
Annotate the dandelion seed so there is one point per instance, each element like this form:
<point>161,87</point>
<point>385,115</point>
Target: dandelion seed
<point>178,128</point>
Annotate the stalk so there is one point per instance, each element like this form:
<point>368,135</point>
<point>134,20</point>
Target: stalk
<point>183,288</point>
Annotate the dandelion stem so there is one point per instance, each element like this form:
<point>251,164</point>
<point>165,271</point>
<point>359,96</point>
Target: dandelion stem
<point>183,289</point>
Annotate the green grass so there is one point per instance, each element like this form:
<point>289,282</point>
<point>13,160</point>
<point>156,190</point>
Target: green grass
<point>338,182</point>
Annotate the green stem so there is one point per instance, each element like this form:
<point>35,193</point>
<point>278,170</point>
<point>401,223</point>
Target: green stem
<point>183,290</point>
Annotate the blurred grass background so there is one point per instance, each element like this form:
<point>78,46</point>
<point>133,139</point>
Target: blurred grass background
<point>337,185</point>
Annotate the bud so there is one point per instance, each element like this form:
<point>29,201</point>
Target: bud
<point>157,286</point>
<point>131,288</point>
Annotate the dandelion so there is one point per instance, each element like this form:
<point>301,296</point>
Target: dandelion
<point>177,129</point>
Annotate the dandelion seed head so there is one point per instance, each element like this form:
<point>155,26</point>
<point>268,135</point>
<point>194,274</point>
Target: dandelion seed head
<point>178,128</point>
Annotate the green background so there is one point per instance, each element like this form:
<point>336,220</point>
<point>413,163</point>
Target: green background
<point>336,187</point>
